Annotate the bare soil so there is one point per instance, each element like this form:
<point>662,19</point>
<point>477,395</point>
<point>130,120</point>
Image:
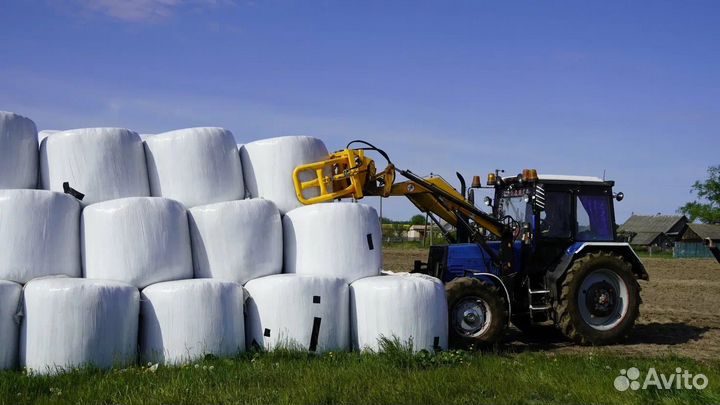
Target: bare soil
<point>680,313</point>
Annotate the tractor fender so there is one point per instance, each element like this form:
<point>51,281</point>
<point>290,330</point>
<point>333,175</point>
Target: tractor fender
<point>579,249</point>
<point>497,281</point>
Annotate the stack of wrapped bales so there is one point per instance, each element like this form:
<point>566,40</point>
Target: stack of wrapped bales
<point>164,241</point>
<point>226,242</point>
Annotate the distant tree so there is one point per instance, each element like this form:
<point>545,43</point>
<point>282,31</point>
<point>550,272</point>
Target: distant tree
<point>384,220</point>
<point>417,220</point>
<point>707,208</point>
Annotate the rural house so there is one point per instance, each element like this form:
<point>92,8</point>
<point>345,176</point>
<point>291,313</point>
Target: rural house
<point>651,231</point>
<point>692,237</point>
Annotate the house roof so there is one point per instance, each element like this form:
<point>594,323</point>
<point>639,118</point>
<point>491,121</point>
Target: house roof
<point>651,223</point>
<point>644,238</point>
<point>705,230</point>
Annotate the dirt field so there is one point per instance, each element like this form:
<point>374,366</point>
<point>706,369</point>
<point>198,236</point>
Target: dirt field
<point>680,313</point>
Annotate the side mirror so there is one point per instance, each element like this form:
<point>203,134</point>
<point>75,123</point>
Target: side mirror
<point>619,196</point>
<point>488,201</point>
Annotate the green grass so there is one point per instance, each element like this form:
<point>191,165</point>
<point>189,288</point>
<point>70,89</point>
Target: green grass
<point>396,377</point>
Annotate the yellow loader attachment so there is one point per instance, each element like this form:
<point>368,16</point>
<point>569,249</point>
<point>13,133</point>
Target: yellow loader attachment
<point>344,174</point>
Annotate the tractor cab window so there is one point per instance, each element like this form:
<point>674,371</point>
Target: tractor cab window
<point>555,218</point>
<point>594,220</point>
<point>515,203</point>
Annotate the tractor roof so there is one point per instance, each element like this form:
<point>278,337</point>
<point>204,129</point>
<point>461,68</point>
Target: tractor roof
<point>564,179</point>
<point>590,180</point>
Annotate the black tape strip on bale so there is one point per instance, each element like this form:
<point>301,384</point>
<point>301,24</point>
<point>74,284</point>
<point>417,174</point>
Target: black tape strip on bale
<point>316,299</point>
<point>315,333</point>
<point>436,343</point>
<point>267,332</point>
<point>370,242</point>
<point>71,191</point>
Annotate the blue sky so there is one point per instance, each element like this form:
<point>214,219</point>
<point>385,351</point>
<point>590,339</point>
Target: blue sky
<point>567,87</point>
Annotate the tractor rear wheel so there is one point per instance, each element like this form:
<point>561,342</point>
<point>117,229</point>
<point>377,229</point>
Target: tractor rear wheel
<point>599,300</point>
<point>478,312</point>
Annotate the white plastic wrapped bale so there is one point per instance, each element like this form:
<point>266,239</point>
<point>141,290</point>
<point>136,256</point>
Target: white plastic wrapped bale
<point>338,240</point>
<point>297,312</point>
<point>9,328</point>
<point>101,163</point>
<point>74,322</point>
<point>405,307</point>
<point>18,151</point>
<point>268,167</point>
<point>184,320</point>
<point>138,240</point>
<point>195,166</point>
<point>39,235</point>
<point>236,240</point>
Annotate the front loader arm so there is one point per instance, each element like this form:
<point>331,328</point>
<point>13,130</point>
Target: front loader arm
<point>350,174</point>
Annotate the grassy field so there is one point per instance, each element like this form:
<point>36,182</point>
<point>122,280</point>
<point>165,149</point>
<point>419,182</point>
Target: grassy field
<point>397,377</point>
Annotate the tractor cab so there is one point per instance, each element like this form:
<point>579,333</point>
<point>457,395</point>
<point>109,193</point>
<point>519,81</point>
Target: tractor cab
<point>551,213</point>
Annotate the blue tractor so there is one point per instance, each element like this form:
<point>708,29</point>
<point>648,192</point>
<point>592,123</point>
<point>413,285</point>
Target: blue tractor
<point>548,251</point>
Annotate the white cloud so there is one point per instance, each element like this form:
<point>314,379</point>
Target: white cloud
<point>142,10</point>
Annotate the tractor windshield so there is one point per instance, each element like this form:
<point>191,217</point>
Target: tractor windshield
<point>516,205</point>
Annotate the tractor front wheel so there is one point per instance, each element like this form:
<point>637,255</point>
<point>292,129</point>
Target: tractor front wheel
<point>599,300</point>
<point>478,312</point>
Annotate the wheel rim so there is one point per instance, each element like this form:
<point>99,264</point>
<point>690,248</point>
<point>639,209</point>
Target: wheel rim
<point>603,299</point>
<point>471,317</point>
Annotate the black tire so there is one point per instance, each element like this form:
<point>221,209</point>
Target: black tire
<point>620,319</point>
<point>464,291</point>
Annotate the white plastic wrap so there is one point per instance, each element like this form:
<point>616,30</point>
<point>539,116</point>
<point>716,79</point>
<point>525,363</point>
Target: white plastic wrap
<point>39,235</point>
<point>45,133</point>
<point>9,328</point>
<point>298,312</point>
<point>236,240</point>
<point>73,322</point>
<point>268,166</point>
<point>18,151</point>
<point>102,163</point>
<point>138,240</point>
<point>195,166</point>
<point>184,320</point>
<point>404,306</point>
<point>338,240</point>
